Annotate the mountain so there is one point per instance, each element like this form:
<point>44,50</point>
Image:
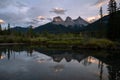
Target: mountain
<point>106,27</point>
<point>58,25</point>
<point>56,29</point>
<point>58,20</point>
<point>70,22</point>
<point>80,22</point>
<point>19,29</point>
<point>51,28</point>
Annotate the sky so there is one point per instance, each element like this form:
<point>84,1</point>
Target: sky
<point>39,12</point>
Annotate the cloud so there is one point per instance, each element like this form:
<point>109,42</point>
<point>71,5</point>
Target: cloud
<point>15,3</point>
<point>20,4</point>
<point>58,10</point>
<point>99,3</point>
<point>41,17</point>
<point>12,17</point>
<point>5,3</point>
<point>2,21</point>
<point>13,11</point>
<point>36,11</point>
<point>39,20</point>
<point>94,18</point>
<point>49,19</point>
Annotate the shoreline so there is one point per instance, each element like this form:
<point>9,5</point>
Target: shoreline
<point>74,47</point>
<point>7,44</point>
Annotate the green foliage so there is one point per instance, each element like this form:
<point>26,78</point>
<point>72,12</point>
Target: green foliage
<point>114,27</point>
<point>30,31</point>
<point>47,39</point>
<point>8,30</point>
<point>99,43</point>
<point>0,29</point>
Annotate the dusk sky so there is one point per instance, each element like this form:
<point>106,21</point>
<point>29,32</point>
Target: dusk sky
<point>38,12</point>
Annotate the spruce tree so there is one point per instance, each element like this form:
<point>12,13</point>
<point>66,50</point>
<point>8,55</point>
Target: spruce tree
<point>113,23</point>
<point>0,29</point>
<point>112,7</point>
<point>101,12</point>
<point>30,31</point>
<point>8,28</point>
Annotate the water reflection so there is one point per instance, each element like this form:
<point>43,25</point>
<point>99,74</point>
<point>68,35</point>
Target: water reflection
<point>104,64</point>
<point>58,68</point>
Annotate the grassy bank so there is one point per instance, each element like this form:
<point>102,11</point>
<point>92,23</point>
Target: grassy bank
<point>61,40</point>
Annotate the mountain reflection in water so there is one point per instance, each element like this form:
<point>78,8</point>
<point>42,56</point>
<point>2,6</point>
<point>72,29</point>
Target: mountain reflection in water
<point>58,64</point>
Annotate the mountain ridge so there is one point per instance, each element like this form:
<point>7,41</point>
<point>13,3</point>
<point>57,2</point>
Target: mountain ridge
<point>69,21</point>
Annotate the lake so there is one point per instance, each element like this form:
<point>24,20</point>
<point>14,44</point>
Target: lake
<point>36,63</point>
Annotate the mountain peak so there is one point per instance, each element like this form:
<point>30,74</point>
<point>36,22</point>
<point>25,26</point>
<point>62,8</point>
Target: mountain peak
<point>81,21</point>
<point>68,19</point>
<point>69,22</point>
<point>57,19</point>
<point>79,18</point>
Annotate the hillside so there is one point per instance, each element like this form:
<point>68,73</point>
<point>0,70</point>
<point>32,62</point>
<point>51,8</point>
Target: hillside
<point>19,29</point>
<point>97,24</point>
<point>51,28</point>
<point>107,27</point>
<point>55,28</point>
<point>114,26</point>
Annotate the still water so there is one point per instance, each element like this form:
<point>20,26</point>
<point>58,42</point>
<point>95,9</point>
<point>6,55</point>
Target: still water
<point>34,63</point>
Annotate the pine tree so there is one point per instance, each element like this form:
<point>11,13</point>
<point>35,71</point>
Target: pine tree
<point>113,32</point>
<point>102,28</point>
<point>0,29</point>
<point>112,7</point>
<point>8,28</point>
<point>30,31</point>
<point>101,15</point>
<point>101,12</point>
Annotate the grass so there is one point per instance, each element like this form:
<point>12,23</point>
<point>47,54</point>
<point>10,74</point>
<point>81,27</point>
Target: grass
<point>61,40</point>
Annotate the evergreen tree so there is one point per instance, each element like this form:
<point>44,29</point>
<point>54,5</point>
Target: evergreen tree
<point>113,32</point>
<point>114,26</point>
<point>8,28</point>
<point>0,29</point>
<point>102,29</point>
<point>30,31</point>
<point>112,7</point>
<point>101,15</point>
<point>101,12</point>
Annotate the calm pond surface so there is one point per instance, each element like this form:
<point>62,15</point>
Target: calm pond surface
<point>34,63</point>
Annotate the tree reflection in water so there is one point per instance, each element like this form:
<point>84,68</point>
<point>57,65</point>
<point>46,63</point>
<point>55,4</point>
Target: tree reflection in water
<point>111,58</point>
